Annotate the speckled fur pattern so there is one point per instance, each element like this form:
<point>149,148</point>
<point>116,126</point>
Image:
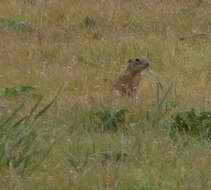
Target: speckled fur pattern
<point>128,82</point>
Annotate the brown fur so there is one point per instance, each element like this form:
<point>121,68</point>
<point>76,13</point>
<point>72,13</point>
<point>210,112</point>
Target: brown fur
<point>128,81</point>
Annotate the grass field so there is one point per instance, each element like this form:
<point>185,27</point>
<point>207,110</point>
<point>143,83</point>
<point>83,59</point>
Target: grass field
<point>74,49</point>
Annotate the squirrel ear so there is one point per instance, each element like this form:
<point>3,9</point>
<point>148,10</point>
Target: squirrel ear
<point>130,60</point>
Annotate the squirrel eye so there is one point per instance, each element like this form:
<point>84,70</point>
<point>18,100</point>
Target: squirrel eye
<point>137,59</point>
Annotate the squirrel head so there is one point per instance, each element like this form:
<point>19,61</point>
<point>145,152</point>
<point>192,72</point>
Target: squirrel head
<point>138,64</point>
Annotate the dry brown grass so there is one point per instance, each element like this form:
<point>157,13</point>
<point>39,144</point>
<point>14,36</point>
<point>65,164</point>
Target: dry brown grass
<point>82,46</point>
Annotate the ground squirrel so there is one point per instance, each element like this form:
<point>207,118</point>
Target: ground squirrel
<point>127,83</point>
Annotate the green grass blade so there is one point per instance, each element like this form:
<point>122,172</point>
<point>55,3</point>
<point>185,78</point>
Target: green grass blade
<point>158,94</point>
<point>48,105</point>
<point>166,94</point>
<point>41,112</point>
<point>10,119</point>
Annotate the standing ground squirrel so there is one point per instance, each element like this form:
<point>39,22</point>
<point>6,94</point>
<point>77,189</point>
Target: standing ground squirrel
<point>127,83</point>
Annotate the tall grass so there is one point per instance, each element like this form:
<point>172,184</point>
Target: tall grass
<point>83,45</point>
<point>18,139</point>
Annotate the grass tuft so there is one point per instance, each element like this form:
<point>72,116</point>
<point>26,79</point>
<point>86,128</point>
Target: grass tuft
<point>153,142</point>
